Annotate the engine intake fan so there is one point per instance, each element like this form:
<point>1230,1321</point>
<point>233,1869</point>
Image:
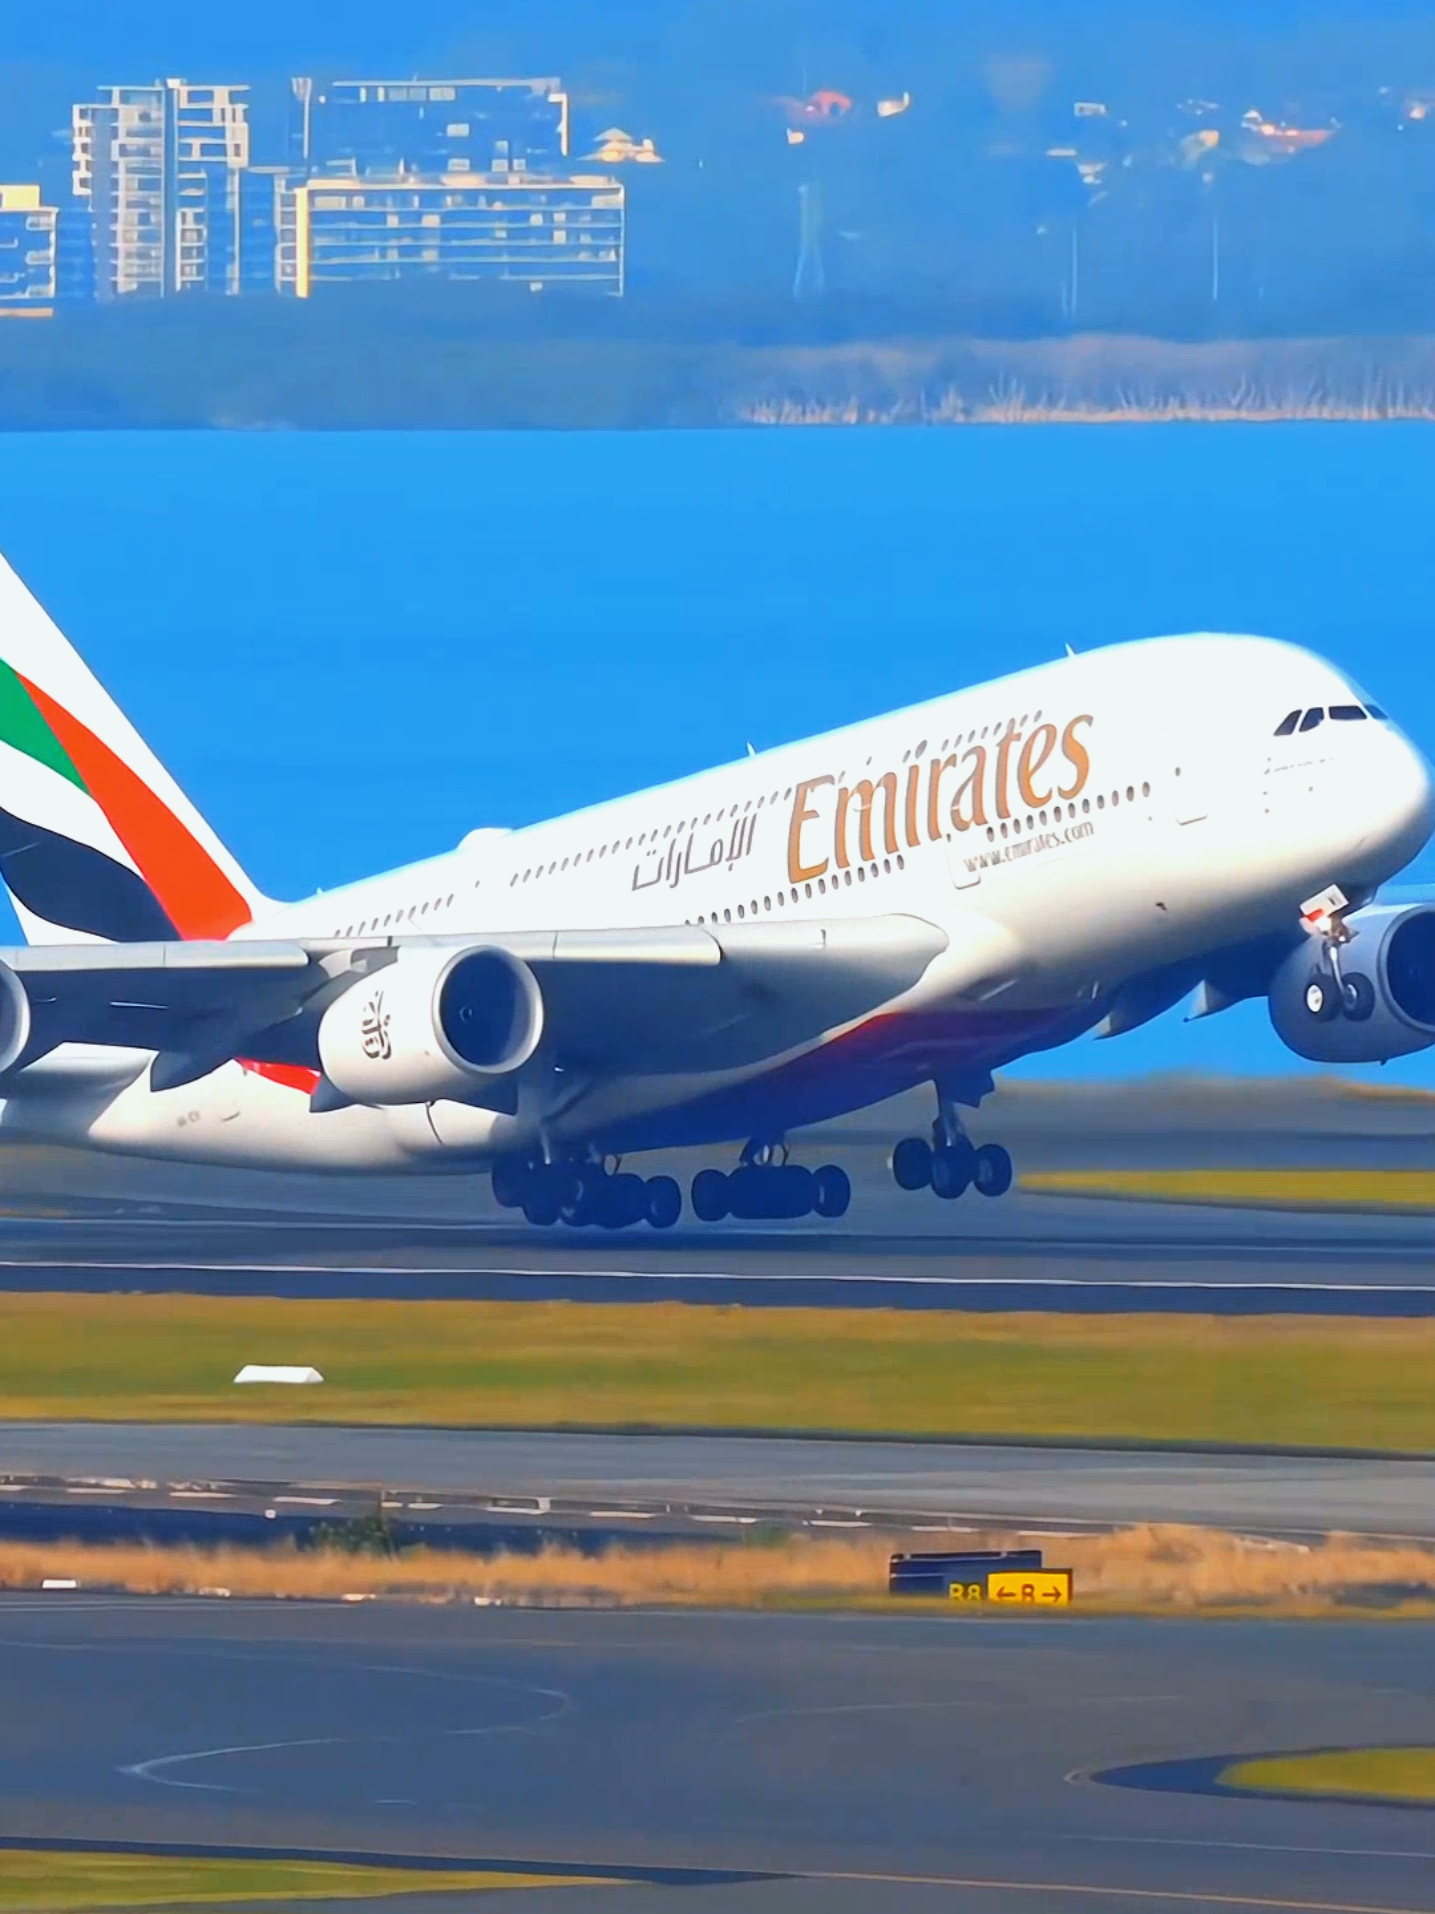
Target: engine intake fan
<point>433,1024</point>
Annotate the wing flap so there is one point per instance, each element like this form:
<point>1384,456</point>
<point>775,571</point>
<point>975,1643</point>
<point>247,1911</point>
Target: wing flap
<point>765,989</point>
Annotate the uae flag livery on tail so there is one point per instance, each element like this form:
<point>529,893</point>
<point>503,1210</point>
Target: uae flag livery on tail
<point>96,839</point>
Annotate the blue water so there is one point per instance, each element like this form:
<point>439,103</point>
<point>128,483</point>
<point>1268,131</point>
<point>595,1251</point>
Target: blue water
<point>351,650</point>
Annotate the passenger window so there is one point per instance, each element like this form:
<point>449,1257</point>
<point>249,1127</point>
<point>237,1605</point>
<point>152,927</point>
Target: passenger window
<point>1346,713</point>
<point>1311,719</point>
<point>1288,724</point>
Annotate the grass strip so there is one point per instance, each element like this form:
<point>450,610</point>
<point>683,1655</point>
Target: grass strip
<point>1150,1569</point>
<point>1356,1190</point>
<point>1386,1774</point>
<point>39,1883</point>
<point>1264,1381</point>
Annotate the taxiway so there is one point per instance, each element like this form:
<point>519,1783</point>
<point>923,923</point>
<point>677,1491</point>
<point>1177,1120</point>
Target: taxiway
<point>517,1482</point>
<point>838,1762</point>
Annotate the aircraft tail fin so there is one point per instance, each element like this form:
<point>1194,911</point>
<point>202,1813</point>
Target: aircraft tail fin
<point>97,841</point>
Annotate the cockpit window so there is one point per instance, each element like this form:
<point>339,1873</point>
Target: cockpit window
<point>1311,719</point>
<point>1288,724</point>
<point>1347,713</point>
<point>1376,712</point>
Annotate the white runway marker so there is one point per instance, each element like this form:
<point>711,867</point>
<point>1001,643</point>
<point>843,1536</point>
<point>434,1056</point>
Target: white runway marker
<point>282,1373</point>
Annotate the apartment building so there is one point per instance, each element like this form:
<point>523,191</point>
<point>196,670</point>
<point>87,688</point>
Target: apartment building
<point>29,254</point>
<point>159,168</point>
<point>527,229</point>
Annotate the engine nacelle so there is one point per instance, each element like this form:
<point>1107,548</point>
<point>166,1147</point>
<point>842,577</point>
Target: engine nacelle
<point>14,1019</point>
<point>433,1024</point>
<point>1388,968</point>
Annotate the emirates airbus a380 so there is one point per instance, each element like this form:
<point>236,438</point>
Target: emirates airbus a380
<point>917,899</point>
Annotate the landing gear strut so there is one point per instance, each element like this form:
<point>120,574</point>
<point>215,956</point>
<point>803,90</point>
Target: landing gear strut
<point>1332,991</point>
<point>585,1195</point>
<point>766,1187</point>
<point>950,1164</point>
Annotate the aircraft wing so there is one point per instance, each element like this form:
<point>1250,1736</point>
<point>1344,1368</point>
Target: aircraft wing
<point>678,999</point>
<point>152,996</point>
<point>709,998</point>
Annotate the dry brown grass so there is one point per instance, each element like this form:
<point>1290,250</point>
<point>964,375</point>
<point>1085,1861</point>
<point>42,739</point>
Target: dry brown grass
<point>1018,407</point>
<point>1187,1568</point>
<point>739,1576</point>
<point>1088,379</point>
<point>1148,1568</point>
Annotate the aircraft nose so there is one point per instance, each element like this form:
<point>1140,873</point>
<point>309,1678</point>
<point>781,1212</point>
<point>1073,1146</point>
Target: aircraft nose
<point>1405,796</point>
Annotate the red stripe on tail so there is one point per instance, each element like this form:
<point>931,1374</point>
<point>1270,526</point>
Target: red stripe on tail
<point>198,898</point>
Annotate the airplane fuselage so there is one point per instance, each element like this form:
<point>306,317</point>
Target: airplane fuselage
<point>1073,831</point>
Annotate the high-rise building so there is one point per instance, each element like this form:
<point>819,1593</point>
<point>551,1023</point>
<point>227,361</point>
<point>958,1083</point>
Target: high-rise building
<point>160,169</point>
<point>267,211</point>
<point>29,271</point>
<point>525,228</point>
<point>432,127</point>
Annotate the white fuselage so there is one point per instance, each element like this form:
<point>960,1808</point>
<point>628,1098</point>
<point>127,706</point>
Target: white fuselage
<point>1070,829</point>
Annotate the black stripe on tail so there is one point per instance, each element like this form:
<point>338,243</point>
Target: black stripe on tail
<point>77,887</point>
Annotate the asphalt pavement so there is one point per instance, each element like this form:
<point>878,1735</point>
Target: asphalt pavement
<point>1028,1252</point>
<point>536,1479</point>
<point>775,1764</point>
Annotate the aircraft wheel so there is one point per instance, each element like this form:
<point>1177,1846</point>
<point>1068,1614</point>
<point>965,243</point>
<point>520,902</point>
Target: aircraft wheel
<point>509,1178</point>
<point>912,1163</point>
<point>992,1170</point>
<point>583,1200</point>
<point>1357,997</point>
<point>770,1192</point>
<point>831,1191</point>
<point>623,1202</point>
<point>951,1172</point>
<point>665,1201</point>
<point>544,1197</point>
<point>1321,1001</point>
<point>710,1196</point>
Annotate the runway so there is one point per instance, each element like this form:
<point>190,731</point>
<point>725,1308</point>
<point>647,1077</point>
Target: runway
<point>1062,1254</point>
<point>85,1222</point>
<point>844,1763</point>
<point>531,1482</point>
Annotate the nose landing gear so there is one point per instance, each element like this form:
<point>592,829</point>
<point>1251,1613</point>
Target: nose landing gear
<point>1332,990</point>
<point>951,1163</point>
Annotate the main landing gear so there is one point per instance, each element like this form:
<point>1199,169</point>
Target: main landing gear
<point>586,1195</point>
<point>951,1163</point>
<point>765,1187</point>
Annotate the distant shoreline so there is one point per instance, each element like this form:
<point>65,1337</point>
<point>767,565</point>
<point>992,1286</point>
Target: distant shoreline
<point>1079,412</point>
<point>361,367</point>
<point>1100,379</point>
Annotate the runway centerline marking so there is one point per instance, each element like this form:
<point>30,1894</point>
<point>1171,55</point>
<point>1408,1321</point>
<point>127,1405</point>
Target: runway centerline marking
<point>966,1700</point>
<point>1252,1847</point>
<point>1180,1895</point>
<point>1034,1246</point>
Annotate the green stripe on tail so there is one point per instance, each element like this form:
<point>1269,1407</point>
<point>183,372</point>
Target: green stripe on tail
<point>22,727</point>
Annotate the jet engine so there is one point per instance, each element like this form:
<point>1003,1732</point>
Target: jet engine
<point>14,1019</point>
<point>433,1024</point>
<point>1370,999</point>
